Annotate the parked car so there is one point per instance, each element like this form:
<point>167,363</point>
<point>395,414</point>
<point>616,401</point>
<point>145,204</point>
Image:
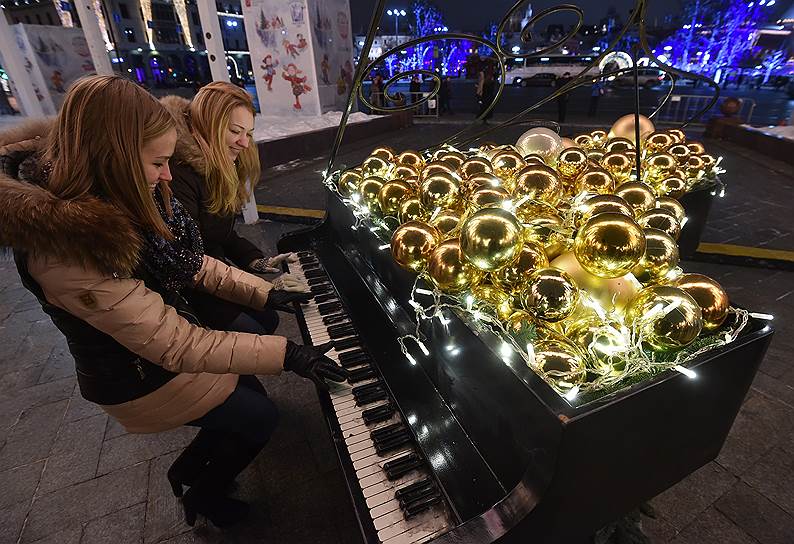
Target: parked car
<point>646,77</point>
<point>536,80</point>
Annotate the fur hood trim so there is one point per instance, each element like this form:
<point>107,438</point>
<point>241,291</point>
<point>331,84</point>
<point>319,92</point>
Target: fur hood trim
<point>34,129</point>
<point>187,149</point>
<point>87,231</point>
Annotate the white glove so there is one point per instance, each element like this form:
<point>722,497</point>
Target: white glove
<point>274,262</point>
<point>289,283</point>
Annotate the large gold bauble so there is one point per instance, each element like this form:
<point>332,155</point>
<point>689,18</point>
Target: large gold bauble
<point>601,204</point>
<point>680,152</point>
<point>474,166</point>
<point>613,294</point>
<point>412,243</point>
<point>436,167</point>
<point>624,128</point>
<point>439,191</point>
<point>609,245</point>
<point>541,141</point>
<point>571,162</point>
<point>709,295</point>
<point>677,134</point>
<point>550,294</point>
<point>515,273</point>
<point>672,186</point>
<point>449,271</point>
<point>599,137</point>
<point>376,166</point>
<point>619,145</point>
<point>658,141</point>
<point>618,164</point>
<point>538,182</point>
<point>594,180</point>
<point>348,182</point>
<point>596,156</point>
<point>708,162</point>
<point>559,360</point>
<point>447,222</point>
<point>659,166</point>
<point>545,231</point>
<point>481,181</point>
<point>485,147</point>
<point>488,197</point>
<point>602,342</point>
<point>660,257</point>
<point>392,195</point>
<point>534,158</point>
<point>411,158</point>
<point>521,326</point>
<point>585,141</point>
<point>664,220</point>
<point>667,318</point>
<point>369,189</point>
<point>695,166</point>
<point>506,163</point>
<point>673,206</point>
<point>638,195</point>
<point>453,158</point>
<point>567,142</point>
<point>492,295</point>
<point>404,171</point>
<point>384,152</point>
<point>411,210</point>
<point>696,148</point>
<point>490,238</point>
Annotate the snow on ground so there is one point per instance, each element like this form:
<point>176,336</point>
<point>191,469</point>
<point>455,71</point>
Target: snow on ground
<point>786,132</point>
<point>268,127</point>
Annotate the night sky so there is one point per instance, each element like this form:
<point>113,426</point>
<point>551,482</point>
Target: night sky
<point>469,15</point>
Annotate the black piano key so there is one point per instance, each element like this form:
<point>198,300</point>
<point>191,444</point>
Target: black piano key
<point>321,289</point>
<point>352,354</point>
<point>378,414</point>
<point>349,342</point>
<point>401,466</point>
<point>325,297</point>
<point>421,505</point>
<point>361,389</point>
<point>361,374</point>
<point>393,443</point>
<point>416,490</point>
<point>307,259</point>
<point>335,318</point>
<point>356,361</point>
<point>329,307</point>
<point>315,273</point>
<point>369,398</point>
<point>383,432</point>
<point>320,280</point>
<point>337,327</point>
<point>342,332</point>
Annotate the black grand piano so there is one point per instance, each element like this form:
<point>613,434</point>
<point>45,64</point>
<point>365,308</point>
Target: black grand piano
<point>463,446</point>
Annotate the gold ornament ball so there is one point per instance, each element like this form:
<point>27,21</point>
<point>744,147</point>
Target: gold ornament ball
<point>618,164</point>
<point>481,181</point>
<point>412,243</point>
<point>369,189</point>
<point>661,256</point>
<point>506,163</point>
<point>514,274</point>
<point>545,230</point>
<point>436,167</point>
<point>595,180</point>
<point>585,141</point>
<point>538,182</point>
<point>411,158</point>
<point>376,166</point>
<point>695,166</point>
<point>392,195</point>
<point>384,152</point>
<point>541,141</point>
<point>659,166</point>
<point>613,294</point>
<point>490,238</point>
<point>696,148</point>
<point>667,318</point>
<point>673,206</point>
<point>474,166</point>
<point>493,296</point>
<point>664,220</point>
<point>485,147</point>
<point>624,128</point>
<point>550,294</point>
<point>599,137</point>
<point>567,142</point>
<point>571,162</point>
<point>601,204</point>
<point>674,187</point>
<point>658,141</point>
<point>439,191</point>
<point>488,197</point>
<point>677,134</point>
<point>709,295</point>
<point>534,158</point>
<point>609,245</point>
<point>559,360</point>
<point>619,145</point>
<point>521,326</point>
<point>680,152</point>
<point>447,222</point>
<point>411,210</point>
<point>453,158</point>
<point>404,171</point>
<point>603,343</point>
<point>708,162</point>
<point>595,156</point>
<point>638,195</point>
<point>348,182</point>
<point>449,271</point>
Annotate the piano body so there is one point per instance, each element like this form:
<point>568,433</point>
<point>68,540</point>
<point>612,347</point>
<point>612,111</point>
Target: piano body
<point>482,450</point>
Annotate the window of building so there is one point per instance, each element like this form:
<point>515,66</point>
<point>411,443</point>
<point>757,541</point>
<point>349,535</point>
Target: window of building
<point>130,34</point>
<point>125,13</point>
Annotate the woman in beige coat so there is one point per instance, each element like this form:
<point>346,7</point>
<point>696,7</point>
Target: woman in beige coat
<point>106,249</point>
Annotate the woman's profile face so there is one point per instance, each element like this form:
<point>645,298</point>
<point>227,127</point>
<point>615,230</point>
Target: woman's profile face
<point>155,154</point>
<point>239,133</point>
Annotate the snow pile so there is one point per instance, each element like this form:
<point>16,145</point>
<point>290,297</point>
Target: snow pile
<point>779,132</point>
<point>271,127</point>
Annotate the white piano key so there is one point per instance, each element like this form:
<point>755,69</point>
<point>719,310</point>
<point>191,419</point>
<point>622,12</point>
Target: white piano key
<point>411,530</point>
<point>378,465</point>
<point>385,509</point>
<point>390,485</point>
<point>375,458</point>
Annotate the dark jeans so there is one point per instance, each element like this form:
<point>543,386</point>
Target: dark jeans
<point>254,321</point>
<point>593,109</point>
<point>221,315</point>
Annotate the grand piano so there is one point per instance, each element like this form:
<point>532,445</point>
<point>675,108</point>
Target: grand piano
<point>463,446</point>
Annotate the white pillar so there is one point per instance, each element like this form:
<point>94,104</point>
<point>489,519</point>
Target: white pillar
<point>12,62</point>
<point>213,39</point>
<point>93,36</point>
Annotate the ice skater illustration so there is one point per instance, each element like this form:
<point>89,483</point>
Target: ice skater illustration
<point>292,74</point>
<point>269,68</point>
<point>290,48</point>
<point>324,67</point>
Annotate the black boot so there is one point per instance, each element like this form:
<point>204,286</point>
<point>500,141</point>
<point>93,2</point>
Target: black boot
<point>187,467</point>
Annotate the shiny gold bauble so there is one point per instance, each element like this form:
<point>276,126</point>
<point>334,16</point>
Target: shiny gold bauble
<point>559,360</point>
<point>624,128</point>
<point>521,326</point>
<point>695,166</point>
<point>436,167</point>
<point>613,294</point>
<point>449,271</point>
<point>474,166</point>
<point>488,197</point>
<point>542,141</point>
<point>618,145</point>
<point>447,222</point>
<point>599,137</point>
<point>485,147</point>
<point>660,257</point>
<point>412,243</point>
<point>545,231</point>
<point>392,195</point>
<point>708,162</point>
<point>538,182</point>
<point>696,148</point>
<point>384,152</point>
<point>482,181</point>
<point>369,189</point>
<point>506,163</point>
<point>404,171</point>
<point>411,158</point>
<point>709,295</point>
<point>602,342</point>
<point>664,220</point>
<point>602,204</point>
<point>490,238</point>
<point>410,210</point>
<point>672,186</point>
<point>534,158</point>
<point>672,205</point>
<point>440,190</point>
<point>567,142</point>
<point>595,156</point>
<point>680,152</point>
<point>348,182</point>
<point>496,298</point>
<point>677,134</point>
<point>453,158</point>
<point>376,166</point>
<point>618,164</point>
<point>609,245</point>
<point>658,141</point>
<point>638,195</point>
<point>571,163</point>
<point>585,141</point>
<point>667,318</point>
<point>659,166</point>
<point>515,273</point>
<point>550,294</point>
<point>594,180</point>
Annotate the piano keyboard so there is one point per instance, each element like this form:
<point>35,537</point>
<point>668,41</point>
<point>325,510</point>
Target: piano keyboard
<point>403,499</point>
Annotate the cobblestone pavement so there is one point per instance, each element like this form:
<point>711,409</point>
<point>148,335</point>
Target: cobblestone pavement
<point>68,474</point>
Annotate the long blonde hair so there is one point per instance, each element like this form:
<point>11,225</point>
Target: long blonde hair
<point>95,147</point>
<point>228,184</point>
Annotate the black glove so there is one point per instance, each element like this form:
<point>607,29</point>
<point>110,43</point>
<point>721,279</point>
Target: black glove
<point>309,362</point>
<point>282,300</point>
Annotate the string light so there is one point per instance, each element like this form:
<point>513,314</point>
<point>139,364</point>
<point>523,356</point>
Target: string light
<point>410,358</point>
<point>424,292</point>
<point>684,221</point>
<point>384,246</point>
<point>686,372</point>
<point>767,317</point>
<point>571,395</point>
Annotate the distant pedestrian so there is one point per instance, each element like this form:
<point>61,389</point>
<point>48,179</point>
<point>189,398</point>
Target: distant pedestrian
<point>415,89</point>
<point>596,92</point>
<point>376,92</point>
<point>484,91</point>
<point>562,100</point>
<point>444,95</point>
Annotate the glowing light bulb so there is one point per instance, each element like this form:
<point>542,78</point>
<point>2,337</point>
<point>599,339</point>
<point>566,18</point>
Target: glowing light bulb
<point>686,372</point>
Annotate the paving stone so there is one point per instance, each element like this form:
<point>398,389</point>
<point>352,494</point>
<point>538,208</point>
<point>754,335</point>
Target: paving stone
<point>683,502</point>
<point>79,408</point>
<point>12,518</point>
<point>283,468</point>
<point>658,530</point>
<point>773,477</point>
<point>756,515</point>
<point>774,389</point>
<point>132,448</point>
<point>20,379</point>
<point>77,504</point>
<point>165,517</point>
<point>59,365</point>
<point>75,455</point>
<point>114,429</point>
<point>711,527</point>
<point>18,484</point>
<point>120,527</point>
<point>33,435</point>
<point>67,536</point>
<point>306,502</point>
<point>204,535</point>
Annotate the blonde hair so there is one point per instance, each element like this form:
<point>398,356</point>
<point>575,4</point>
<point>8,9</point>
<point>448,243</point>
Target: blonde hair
<point>95,147</point>
<point>228,184</point>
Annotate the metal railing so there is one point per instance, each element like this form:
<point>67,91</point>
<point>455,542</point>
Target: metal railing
<point>429,108</point>
<point>681,107</point>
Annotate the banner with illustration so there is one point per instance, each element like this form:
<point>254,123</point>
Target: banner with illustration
<point>333,51</point>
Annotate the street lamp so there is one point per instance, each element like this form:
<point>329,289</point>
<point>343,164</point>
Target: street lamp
<point>397,13</point>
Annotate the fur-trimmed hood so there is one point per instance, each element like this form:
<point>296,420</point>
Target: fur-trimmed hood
<point>86,231</point>
<point>187,149</point>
